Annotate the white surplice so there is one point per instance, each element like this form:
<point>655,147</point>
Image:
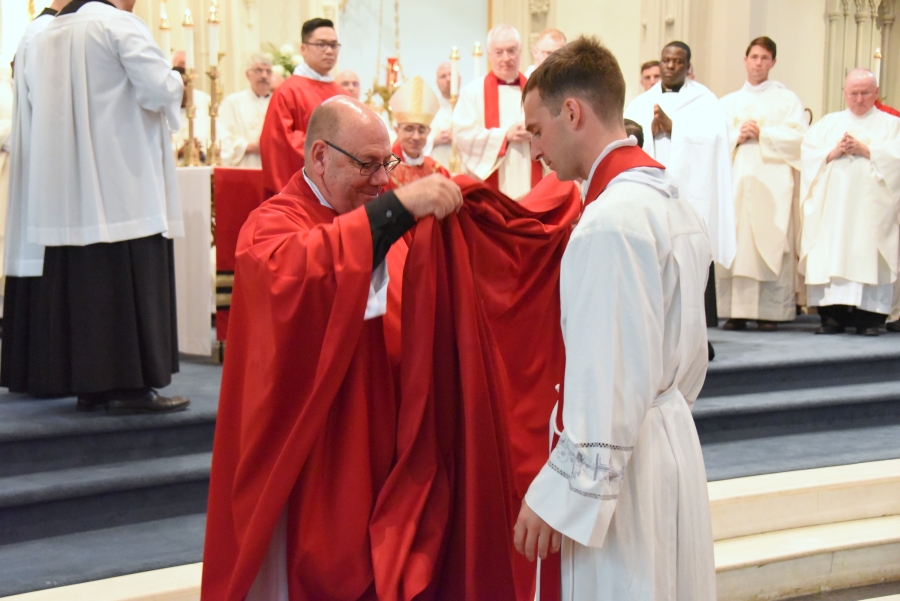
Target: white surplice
<point>760,283</point>
<point>21,259</point>
<point>229,145</point>
<point>106,171</point>
<point>479,147</point>
<point>696,156</point>
<point>626,484</point>
<point>242,115</point>
<point>443,120</point>
<point>851,234</point>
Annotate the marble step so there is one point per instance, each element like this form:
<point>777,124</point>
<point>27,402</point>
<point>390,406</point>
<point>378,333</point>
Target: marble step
<point>771,502</point>
<point>46,504</point>
<point>802,561</point>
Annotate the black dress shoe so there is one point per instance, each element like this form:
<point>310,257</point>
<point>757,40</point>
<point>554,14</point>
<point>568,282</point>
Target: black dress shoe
<point>735,324</point>
<point>892,326</point>
<point>91,402</point>
<point>151,402</point>
<point>831,330</point>
<point>873,331</point>
<point>767,326</point>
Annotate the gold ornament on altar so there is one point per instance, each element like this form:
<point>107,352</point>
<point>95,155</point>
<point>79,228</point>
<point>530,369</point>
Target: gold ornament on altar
<point>455,164</point>
<point>190,153</point>
<point>393,69</point>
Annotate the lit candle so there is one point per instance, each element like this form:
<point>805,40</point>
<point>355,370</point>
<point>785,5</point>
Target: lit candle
<point>212,28</point>
<point>476,54</point>
<point>876,68</point>
<point>454,72</point>
<point>188,25</point>
<point>165,35</point>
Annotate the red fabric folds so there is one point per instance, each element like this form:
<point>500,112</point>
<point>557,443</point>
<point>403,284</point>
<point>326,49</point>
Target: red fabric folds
<point>481,355</point>
<point>492,120</point>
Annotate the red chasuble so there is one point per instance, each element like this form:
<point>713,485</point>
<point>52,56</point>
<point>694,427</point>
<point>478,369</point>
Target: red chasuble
<point>307,410</point>
<point>887,109</point>
<point>482,353</point>
<point>284,130</point>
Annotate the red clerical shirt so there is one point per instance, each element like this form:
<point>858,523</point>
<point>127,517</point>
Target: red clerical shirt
<point>284,130</point>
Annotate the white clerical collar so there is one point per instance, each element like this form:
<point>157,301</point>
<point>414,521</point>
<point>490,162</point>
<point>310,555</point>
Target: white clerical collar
<point>629,141</point>
<point>762,87</point>
<point>408,160</point>
<point>315,190</point>
<point>304,70</point>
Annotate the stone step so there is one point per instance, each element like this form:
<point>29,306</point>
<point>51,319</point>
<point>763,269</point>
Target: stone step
<point>47,504</point>
<point>761,414</point>
<point>802,561</point>
<point>789,500</point>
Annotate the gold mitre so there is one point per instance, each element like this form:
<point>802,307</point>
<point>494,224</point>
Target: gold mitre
<point>414,102</point>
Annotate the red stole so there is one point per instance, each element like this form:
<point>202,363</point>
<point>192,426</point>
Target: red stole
<point>619,160</point>
<point>492,120</point>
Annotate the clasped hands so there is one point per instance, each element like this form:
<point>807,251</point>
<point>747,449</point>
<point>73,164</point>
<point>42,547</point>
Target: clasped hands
<point>848,146</point>
<point>518,133</point>
<point>749,131</point>
<point>533,537</point>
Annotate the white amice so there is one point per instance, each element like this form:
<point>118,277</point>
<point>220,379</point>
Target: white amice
<point>851,235</point>
<point>626,484</point>
<point>761,281</point>
<point>479,147</point>
<point>696,156</point>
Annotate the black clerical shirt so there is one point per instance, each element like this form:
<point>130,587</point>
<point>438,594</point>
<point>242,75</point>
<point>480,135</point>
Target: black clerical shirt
<point>388,220</point>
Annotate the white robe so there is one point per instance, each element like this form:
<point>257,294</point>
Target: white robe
<point>6,113</point>
<point>761,281</point>
<point>102,101</point>
<point>696,156</point>
<point>851,234</point>
<point>242,115</point>
<point>442,120</point>
<point>479,147</point>
<point>626,484</point>
<point>22,259</point>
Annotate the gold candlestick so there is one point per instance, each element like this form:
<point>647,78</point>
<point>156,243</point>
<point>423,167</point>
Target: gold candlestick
<point>455,163</point>
<point>214,152</point>
<point>190,153</point>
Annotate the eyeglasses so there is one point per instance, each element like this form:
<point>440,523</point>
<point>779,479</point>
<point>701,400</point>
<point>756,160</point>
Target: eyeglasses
<point>369,169</point>
<point>261,70</point>
<point>324,45</point>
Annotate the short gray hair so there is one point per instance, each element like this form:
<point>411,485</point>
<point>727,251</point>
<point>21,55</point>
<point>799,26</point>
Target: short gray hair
<point>258,57</point>
<point>501,29</point>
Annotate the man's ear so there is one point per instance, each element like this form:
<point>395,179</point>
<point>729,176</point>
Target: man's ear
<point>573,112</point>
<point>317,156</point>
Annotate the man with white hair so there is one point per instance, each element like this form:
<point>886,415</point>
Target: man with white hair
<point>242,113</point>
<point>350,82</point>
<point>548,42</point>
<point>440,140</point>
<point>849,196</point>
<point>488,122</point>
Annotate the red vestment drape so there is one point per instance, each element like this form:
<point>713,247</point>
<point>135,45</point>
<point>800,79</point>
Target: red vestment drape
<point>284,130</point>
<point>481,355</point>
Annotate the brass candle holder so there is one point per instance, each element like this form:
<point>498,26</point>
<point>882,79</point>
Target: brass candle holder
<point>191,156</point>
<point>455,163</point>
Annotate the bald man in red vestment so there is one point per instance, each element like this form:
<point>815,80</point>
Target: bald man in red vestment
<point>306,428</point>
<point>281,143</point>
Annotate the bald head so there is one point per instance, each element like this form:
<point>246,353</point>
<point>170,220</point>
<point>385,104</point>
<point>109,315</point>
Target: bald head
<point>860,91</point>
<point>548,42</point>
<point>344,140</point>
<point>338,118</point>
<point>179,59</point>
<point>443,79</point>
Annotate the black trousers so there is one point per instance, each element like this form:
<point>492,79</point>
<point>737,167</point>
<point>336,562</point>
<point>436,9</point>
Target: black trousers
<point>105,319</point>
<point>851,317</point>
<point>712,311</point>
<point>20,298</point>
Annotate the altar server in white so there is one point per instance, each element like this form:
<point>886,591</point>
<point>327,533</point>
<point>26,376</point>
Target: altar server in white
<point>850,195</point>
<point>684,129</point>
<point>440,140</point>
<point>766,125</point>
<point>103,201</point>
<point>242,113</point>
<point>626,484</point>
<point>23,262</point>
<point>491,139</point>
